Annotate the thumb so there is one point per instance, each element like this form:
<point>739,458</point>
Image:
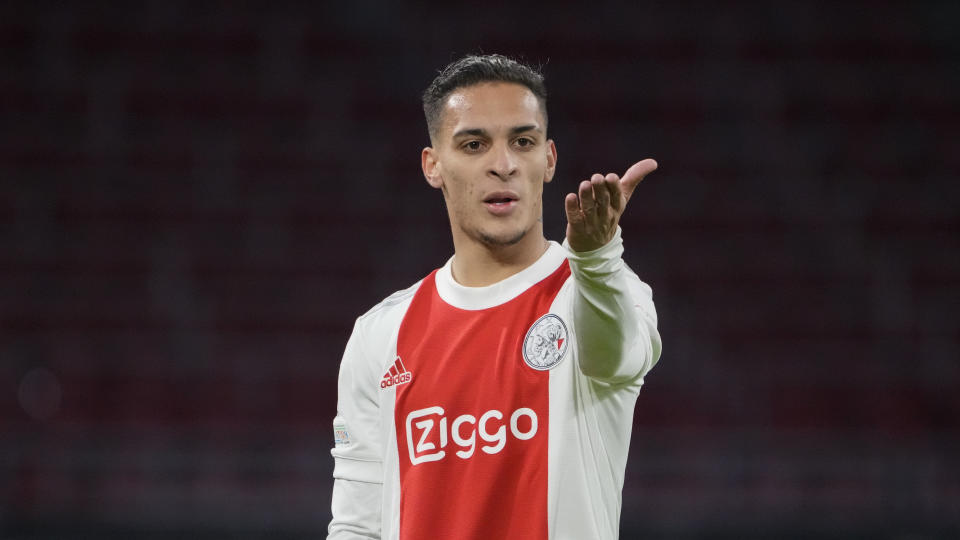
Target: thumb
<point>634,175</point>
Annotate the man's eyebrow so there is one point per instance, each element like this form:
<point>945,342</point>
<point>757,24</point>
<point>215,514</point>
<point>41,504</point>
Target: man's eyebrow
<point>473,132</point>
<point>480,132</point>
<point>521,129</point>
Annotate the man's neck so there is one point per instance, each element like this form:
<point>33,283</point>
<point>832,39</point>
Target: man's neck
<point>477,265</point>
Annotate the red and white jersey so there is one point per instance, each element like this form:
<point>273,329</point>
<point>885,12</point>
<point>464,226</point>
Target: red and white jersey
<point>468,413</point>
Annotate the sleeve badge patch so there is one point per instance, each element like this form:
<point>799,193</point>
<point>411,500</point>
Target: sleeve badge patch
<point>341,435</point>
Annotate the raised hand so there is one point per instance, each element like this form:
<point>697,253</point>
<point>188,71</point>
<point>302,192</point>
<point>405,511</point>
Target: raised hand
<point>594,212</point>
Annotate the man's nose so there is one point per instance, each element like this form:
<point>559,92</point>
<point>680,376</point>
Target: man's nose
<point>504,164</point>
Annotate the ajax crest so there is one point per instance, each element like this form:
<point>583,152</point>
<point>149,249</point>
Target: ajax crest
<point>545,343</point>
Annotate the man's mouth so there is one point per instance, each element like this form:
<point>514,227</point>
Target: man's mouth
<point>500,197</point>
<point>500,202</point>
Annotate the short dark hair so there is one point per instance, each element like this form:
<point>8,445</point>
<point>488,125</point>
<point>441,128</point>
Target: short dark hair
<point>473,69</point>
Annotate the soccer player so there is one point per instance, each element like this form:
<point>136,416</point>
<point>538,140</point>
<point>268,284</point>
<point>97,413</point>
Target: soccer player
<point>494,398</point>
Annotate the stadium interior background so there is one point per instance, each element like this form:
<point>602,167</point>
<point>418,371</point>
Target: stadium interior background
<point>198,199</point>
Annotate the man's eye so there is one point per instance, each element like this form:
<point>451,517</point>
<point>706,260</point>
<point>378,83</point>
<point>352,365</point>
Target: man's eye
<point>473,146</point>
<point>525,141</point>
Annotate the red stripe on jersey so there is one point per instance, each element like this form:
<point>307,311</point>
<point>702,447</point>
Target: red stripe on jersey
<point>472,426</point>
<point>393,369</point>
<point>400,367</point>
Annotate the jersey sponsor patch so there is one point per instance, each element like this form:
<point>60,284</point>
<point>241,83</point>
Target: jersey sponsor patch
<point>341,435</point>
<point>396,375</point>
<point>428,432</point>
<point>545,343</point>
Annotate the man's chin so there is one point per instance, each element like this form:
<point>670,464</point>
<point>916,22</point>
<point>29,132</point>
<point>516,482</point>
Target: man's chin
<point>499,240</point>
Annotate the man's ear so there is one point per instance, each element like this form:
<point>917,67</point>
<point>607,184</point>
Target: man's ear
<point>431,167</point>
<point>551,161</point>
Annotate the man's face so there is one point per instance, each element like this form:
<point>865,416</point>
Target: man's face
<point>491,158</point>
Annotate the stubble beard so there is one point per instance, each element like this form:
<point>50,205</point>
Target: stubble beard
<point>492,241</point>
<point>506,239</point>
<point>496,241</point>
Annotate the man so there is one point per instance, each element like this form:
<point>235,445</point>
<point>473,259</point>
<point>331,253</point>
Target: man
<point>494,398</point>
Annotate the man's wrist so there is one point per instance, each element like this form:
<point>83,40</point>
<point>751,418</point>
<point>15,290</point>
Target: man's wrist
<point>598,263</point>
<point>604,252</point>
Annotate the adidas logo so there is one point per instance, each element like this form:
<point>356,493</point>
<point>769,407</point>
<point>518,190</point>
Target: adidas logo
<point>396,376</point>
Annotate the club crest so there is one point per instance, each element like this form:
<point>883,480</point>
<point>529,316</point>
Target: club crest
<point>545,343</point>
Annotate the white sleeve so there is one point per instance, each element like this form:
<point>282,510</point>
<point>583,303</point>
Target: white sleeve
<point>614,316</point>
<point>356,511</point>
<point>357,472</point>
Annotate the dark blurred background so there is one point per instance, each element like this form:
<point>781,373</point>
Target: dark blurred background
<point>198,199</point>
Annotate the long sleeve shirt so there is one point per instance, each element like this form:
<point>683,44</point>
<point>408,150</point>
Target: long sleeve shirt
<point>494,412</point>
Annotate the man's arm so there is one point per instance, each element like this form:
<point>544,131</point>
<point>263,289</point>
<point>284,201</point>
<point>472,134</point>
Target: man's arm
<point>616,323</point>
<point>357,472</point>
<point>356,510</point>
<point>615,318</point>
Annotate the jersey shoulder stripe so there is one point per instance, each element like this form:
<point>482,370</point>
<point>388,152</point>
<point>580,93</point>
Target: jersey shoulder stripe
<point>398,297</point>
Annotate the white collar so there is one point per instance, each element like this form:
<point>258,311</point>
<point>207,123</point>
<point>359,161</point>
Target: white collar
<point>475,298</point>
